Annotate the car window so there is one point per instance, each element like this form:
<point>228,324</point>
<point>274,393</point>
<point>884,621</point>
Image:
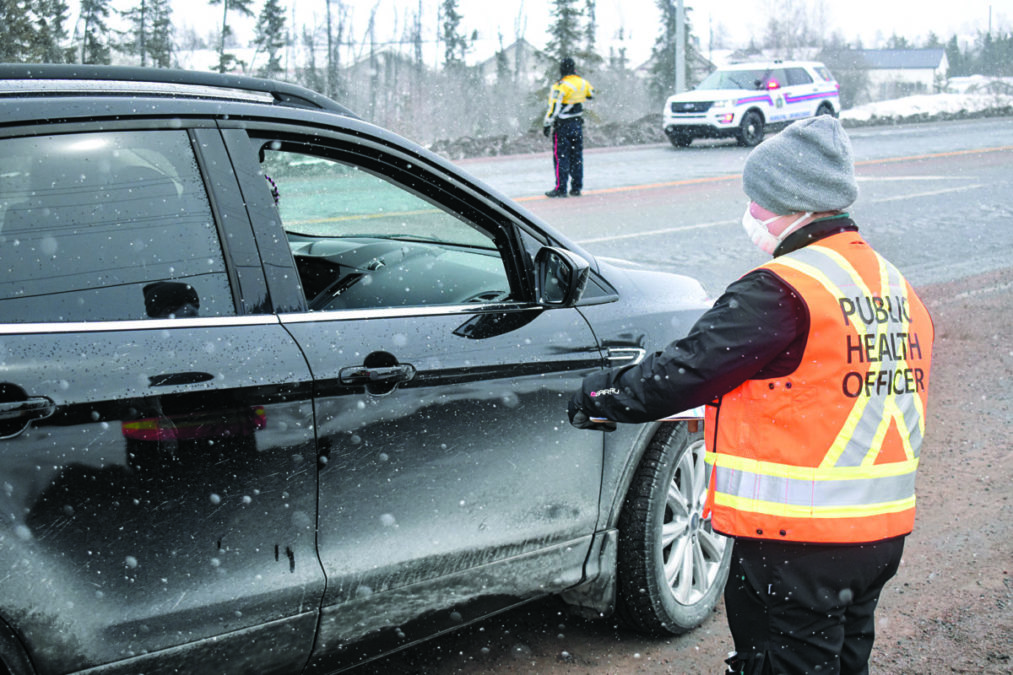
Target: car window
<point>825,73</point>
<point>775,79</point>
<point>107,226</point>
<point>362,240</point>
<point>797,76</point>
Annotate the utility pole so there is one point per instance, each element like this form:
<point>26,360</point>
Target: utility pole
<point>680,47</point>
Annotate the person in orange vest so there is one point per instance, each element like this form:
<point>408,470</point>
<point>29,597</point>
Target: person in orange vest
<point>564,119</point>
<point>815,371</point>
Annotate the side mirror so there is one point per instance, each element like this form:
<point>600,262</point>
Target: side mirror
<point>560,277</point>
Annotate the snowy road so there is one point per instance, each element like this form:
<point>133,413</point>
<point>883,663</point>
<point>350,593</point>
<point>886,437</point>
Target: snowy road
<point>936,198</point>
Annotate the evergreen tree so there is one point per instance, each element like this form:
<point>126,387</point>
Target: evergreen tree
<point>957,60</point>
<point>455,45</point>
<point>564,32</point>
<point>897,42</point>
<point>271,37</point>
<point>226,61</point>
<point>662,73</point>
<point>160,43</point>
<point>589,53</point>
<point>138,19</point>
<point>95,32</point>
<point>16,31</point>
<point>149,36</point>
<point>50,32</point>
<point>995,54</point>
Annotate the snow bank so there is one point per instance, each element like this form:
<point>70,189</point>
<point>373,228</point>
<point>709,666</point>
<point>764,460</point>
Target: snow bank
<point>931,105</point>
<point>974,96</point>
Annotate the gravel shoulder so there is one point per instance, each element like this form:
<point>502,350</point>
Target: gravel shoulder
<point>949,610</point>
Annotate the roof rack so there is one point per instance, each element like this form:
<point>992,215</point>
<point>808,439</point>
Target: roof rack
<point>93,79</point>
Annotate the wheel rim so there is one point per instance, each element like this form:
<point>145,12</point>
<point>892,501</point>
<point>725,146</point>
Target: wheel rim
<point>751,129</point>
<point>691,551</point>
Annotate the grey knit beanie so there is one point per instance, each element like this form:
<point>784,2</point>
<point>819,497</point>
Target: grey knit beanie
<point>806,167</point>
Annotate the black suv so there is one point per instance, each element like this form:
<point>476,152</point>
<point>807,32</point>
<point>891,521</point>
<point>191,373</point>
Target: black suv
<point>281,391</point>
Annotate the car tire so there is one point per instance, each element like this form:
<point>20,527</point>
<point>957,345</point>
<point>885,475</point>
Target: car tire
<point>750,129</point>
<point>672,567</point>
<point>680,140</point>
<point>825,109</point>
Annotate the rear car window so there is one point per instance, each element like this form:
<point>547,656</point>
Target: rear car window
<point>107,226</point>
<point>797,76</point>
<point>824,72</point>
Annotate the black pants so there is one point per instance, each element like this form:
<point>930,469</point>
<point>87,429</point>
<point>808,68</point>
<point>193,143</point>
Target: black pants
<point>806,608</point>
<point>568,153</point>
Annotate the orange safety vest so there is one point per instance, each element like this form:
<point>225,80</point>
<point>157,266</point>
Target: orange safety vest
<point>828,453</point>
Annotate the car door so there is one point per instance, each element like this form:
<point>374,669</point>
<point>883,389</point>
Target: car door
<point>156,428</point>
<point>451,483</point>
<point>802,93</point>
<point>775,81</point>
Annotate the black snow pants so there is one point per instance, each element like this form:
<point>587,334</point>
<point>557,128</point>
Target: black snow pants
<point>795,609</point>
<point>568,153</point>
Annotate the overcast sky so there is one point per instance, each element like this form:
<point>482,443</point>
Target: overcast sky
<point>871,20</point>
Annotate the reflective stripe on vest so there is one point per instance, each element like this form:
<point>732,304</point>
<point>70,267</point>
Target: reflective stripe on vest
<point>566,98</point>
<point>871,414</point>
<point>750,496</point>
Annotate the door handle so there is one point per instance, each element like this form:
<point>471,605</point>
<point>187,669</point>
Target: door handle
<point>29,409</point>
<point>624,356</point>
<point>16,416</point>
<point>358,375</point>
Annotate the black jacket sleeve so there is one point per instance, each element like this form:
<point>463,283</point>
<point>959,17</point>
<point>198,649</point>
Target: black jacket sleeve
<point>756,329</point>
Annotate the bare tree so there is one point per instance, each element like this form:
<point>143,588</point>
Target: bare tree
<point>337,24</point>
<point>790,27</point>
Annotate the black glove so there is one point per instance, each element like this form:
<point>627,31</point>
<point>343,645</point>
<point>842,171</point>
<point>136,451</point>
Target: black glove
<point>546,130</point>
<point>581,420</point>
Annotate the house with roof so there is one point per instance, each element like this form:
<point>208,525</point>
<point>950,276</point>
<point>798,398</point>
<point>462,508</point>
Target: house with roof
<point>893,73</point>
<point>521,62</point>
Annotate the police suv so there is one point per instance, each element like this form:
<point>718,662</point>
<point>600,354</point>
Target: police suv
<point>745,100</point>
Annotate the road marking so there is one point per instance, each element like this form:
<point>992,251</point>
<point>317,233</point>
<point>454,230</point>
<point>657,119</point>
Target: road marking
<point>931,193</point>
<point>651,233</point>
<point>720,223</point>
<point>645,186</point>
<point>735,176</point>
<point>887,179</point>
<point>935,155</point>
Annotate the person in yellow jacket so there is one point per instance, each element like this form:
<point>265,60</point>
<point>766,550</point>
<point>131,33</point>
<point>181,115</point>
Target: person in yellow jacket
<point>564,121</point>
<point>815,370</point>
